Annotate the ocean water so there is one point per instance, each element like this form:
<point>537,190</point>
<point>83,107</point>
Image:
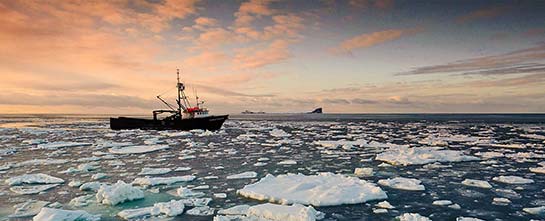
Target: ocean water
<point>505,144</point>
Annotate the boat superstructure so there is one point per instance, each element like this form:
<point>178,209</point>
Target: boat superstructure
<point>182,117</point>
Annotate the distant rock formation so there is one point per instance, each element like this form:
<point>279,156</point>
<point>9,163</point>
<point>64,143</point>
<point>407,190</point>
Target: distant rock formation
<point>316,111</point>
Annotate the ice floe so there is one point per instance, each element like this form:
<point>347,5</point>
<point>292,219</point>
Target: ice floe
<point>477,183</point>
<point>270,212</point>
<point>244,175</point>
<point>28,209</point>
<point>512,180</point>
<point>402,183</point>
<point>422,155</point>
<point>412,217</point>
<point>153,181</point>
<point>137,149</point>
<point>169,209</point>
<point>185,192</point>
<point>33,189</point>
<point>540,210</point>
<point>118,193</point>
<point>325,189</point>
<point>61,144</point>
<point>363,172</point>
<point>201,211</point>
<point>37,178</point>
<point>154,171</point>
<point>50,214</point>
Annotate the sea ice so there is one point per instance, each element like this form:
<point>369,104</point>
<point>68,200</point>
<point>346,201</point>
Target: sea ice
<point>245,175</point>
<point>137,149</point>
<point>512,180</point>
<point>275,212</point>
<point>172,208</point>
<point>93,186</point>
<point>535,210</point>
<point>153,181</point>
<point>402,183</point>
<point>201,211</point>
<point>118,193</point>
<point>220,195</point>
<point>287,162</point>
<point>235,210</point>
<point>154,171</point>
<point>468,219</point>
<point>500,201</point>
<point>184,192</point>
<point>33,189</point>
<point>422,155</point>
<point>37,178</point>
<point>477,183</point>
<point>442,202</point>
<point>61,144</point>
<point>50,214</point>
<point>279,133</point>
<point>28,208</point>
<point>363,172</point>
<point>537,170</point>
<point>385,205</point>
<point>412,217</point>
<point>99,176</point>
<point>81,201</point>
<point>325,189</point>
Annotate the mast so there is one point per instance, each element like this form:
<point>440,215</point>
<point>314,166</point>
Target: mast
<point>179,86</point>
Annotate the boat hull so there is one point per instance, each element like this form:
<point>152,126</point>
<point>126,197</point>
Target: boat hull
<point>204,123</point>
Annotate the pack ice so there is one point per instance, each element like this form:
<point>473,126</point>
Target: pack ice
<point>422,155</point>
<point>324,189</point>
<point>118,193</point>
<point>50,214</point>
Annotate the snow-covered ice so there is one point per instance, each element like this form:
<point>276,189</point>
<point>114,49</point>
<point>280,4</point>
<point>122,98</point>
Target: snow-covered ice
<point>403,183</point>
<point>137,149</point>
<point>512,180</point>
<point>325,189</point>
<point>118,193</point>
<point>153,181</point>
<point>422,155</point>
<point>170,209</point>
<point>50,214</point>
<point>33,189</point>
<point>37,178</point>
<point>412,217</point>
<point>477,183</point>
<point>244,175</point>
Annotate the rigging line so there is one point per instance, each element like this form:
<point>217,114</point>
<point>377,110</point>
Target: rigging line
<point>168,90</point>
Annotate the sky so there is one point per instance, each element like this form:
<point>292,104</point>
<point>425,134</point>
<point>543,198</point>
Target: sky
<point>355,56</point>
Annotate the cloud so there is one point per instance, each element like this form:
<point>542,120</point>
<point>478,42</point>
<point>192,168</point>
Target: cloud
<point>372,39</point>
<point>514,61</point>
<point>229,93</point>
<point>380,4</point>
<point>85,100</point>
<point>247,11</point>
<point>489,12</point>
<point>276,52</point>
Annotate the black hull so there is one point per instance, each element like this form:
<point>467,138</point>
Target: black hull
<point>204,123</point>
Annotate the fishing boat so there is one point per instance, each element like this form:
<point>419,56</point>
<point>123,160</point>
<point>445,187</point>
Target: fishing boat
<point>183,117</point>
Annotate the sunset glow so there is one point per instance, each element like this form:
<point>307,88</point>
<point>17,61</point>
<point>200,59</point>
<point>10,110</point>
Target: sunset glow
<point>357,56</point>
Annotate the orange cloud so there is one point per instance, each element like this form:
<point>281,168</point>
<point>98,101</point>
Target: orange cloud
<point>275,52</point>
<point>368,40</point>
